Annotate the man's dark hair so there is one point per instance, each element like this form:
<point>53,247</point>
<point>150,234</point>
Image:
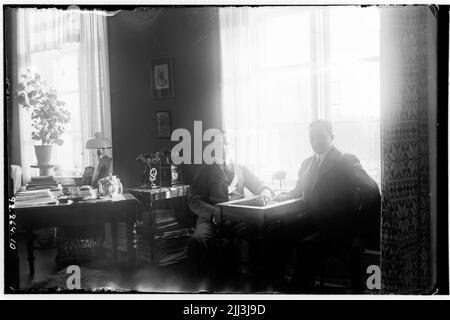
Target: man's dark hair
<point>322,124</point>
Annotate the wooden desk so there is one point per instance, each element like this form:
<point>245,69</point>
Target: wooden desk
<point>266,218</point>
<point>251,211</point>
<point>108,209</point>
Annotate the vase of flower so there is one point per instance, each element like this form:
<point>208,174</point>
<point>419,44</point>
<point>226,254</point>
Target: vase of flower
<point>49,115</point>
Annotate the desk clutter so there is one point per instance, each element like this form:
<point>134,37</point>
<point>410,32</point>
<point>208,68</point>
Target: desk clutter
<point>161,239</point>
<point>25,198</point>
<point>80,193</point>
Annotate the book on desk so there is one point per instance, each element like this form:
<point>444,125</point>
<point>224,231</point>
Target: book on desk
<point>43,183</point>
<point>26,198</point>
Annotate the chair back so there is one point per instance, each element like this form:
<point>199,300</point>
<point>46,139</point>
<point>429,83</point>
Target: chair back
<point>279,176</point>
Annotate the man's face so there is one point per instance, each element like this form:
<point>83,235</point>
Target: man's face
<point>320,140</point>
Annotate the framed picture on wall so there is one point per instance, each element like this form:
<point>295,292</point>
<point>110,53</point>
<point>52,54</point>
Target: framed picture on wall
<point>163,124</point>
<point>161,74</point>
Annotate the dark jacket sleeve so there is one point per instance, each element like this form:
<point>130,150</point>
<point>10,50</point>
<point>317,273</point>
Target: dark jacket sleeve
<point>252,182</point>
<point>366,188</point>
<point>357,174</point>
<point>199,195</point>
<point>297,192</point>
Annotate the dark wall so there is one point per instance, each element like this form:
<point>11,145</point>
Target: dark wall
<point>191,37</point>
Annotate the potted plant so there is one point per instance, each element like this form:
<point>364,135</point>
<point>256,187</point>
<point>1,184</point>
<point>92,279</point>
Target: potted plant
<point>48,114</point>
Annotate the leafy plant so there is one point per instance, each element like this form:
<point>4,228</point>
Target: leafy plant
<point>48,113</point>
<point>155,158</point>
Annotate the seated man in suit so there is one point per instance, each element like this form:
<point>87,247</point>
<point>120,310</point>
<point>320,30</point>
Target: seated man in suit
<point>222,181</point>
<point>337,192</point>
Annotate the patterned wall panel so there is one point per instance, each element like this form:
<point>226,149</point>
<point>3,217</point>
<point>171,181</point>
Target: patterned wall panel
<point>405,252</point>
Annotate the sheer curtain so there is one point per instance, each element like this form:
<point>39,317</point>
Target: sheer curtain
<point>95,105</point>
<point>282,67</point>
<point>266,87</point>
<point>69,50</point>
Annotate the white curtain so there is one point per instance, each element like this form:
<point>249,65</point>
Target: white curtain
<point>69,50</point>
<point>265,89</point>
<point>95,103</point>
<point>47,29</point>
<point>238,81</point>
<point>40,30</point>
<point>282,67</point>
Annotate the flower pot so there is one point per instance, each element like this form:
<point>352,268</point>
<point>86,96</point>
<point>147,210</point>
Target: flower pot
<point>43,153</point>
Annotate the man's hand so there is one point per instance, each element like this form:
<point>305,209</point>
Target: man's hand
<point>266,196</point>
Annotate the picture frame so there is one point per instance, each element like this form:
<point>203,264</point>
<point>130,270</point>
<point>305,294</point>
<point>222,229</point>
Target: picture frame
<point>163,124</point>
<point>161,76</point>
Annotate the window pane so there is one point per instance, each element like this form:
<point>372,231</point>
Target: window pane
<point>284,37</point>
<point>59,68</point>
<point>355,91</point>
<point>355,84</point>
<point>68,156</point>
<point>275,137</point>
<point>285,95</point>
<point>354,33</point>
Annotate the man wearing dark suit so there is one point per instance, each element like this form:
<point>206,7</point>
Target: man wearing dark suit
<point>215,183</point>
<point>337,191</point>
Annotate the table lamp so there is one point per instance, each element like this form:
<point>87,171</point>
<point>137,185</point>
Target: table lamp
<point>99,142</point>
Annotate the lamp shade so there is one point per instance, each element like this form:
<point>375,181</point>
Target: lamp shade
<point>99,142</point>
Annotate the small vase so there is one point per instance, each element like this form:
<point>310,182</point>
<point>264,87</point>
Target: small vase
<point>43,154</point>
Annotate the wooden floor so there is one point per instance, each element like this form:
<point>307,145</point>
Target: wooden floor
<point>104,275</point>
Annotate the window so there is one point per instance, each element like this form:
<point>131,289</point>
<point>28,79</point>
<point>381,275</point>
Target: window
<point>355,82</point>
<point>59,67</point>
<point>69,51</point>
<point>285,66</point>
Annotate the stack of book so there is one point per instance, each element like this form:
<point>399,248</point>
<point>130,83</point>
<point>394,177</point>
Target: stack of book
<point>43,183</point>
<point>165,241</point>
<point>26,198</point>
